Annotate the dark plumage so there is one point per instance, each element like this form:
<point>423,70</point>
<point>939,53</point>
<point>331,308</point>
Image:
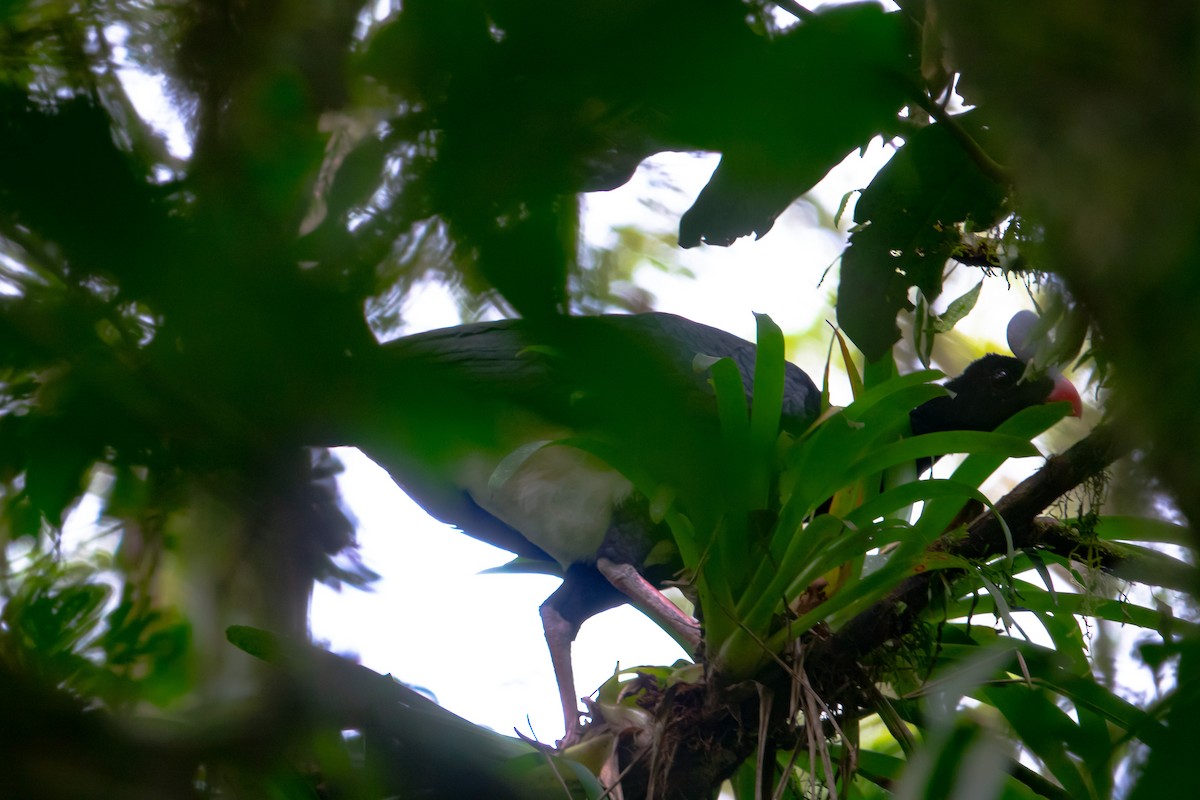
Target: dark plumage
<point>989,391</point>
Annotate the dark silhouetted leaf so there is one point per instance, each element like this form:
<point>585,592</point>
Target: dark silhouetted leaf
<point>910,216</point>
<point>792,124</point>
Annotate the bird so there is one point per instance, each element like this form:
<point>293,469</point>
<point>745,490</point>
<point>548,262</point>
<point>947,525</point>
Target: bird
<point>503,430</point>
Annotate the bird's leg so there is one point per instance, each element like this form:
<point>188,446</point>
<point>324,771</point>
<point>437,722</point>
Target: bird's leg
<point>650,601</point>
<point>560,633</point>
<point>583,594</point>
<point>586,591</point>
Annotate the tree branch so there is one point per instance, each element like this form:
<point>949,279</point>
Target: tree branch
<point>897,614</point>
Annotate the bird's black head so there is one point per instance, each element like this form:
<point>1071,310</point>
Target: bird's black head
<point>987,393</point>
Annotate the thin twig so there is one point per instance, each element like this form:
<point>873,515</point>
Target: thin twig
<point>987,165</point>
<point>795,9</point>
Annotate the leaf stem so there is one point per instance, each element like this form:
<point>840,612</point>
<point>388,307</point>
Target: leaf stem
<point>987,165</point>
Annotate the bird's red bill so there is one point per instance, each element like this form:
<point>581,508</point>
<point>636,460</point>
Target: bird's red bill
<point>1065,392</point>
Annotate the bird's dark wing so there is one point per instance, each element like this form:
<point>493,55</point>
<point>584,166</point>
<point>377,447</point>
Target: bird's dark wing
<point>467,397</point>
<point>554,367</point>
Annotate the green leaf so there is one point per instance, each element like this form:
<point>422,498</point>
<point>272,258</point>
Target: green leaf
<point>1034,598</point>
<point>957,310</point>
<point>1155,568</point>
<point>767,405</point>
<point>962,761</point>
<point>1143,529</point>
<point>731,406</point>
<point>856,381</point>
<point>1043,728</point>
<point>995,445</point>
<point>907,494</point>
<point>978,466</point>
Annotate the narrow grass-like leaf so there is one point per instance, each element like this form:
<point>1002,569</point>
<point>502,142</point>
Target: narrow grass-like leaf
<point>1044,665</point>
<point>856,381</point>
<point>825,403</point>
<point>767,404</point>
<point>744,651</point>
<point>1043,728</point>
<point>996,445</point>
<point>1038,600</point>
<point>907,494</point>
<point>812,489</point>
<point>1094,744</point>
<point>732,409</point>
<point>1155,568</point>
<point>745,477</point>
<point>905,560</point>
<point>845,547</point>
<point>762,596</point>
<point>1002,610</point>
<point>977,467</point>
<point>1039,565</point>
<point>1084,692</point>
<point>1143,529</point>
<point>1034,598</point>
<point>875,394</point>
<point>823,463</point>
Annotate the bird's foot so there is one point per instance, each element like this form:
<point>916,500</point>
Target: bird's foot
<point>576,728</point>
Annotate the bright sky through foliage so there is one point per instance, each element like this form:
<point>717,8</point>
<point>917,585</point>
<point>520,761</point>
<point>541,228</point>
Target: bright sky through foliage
<point>476,640</point>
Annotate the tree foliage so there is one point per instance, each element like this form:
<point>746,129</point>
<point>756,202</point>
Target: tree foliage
<point>184,328</point>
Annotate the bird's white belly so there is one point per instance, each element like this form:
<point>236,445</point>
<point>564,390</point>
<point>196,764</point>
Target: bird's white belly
<point>560,498</point>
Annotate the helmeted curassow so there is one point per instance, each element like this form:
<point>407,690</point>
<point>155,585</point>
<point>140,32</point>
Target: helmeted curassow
<point>497,428</point>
